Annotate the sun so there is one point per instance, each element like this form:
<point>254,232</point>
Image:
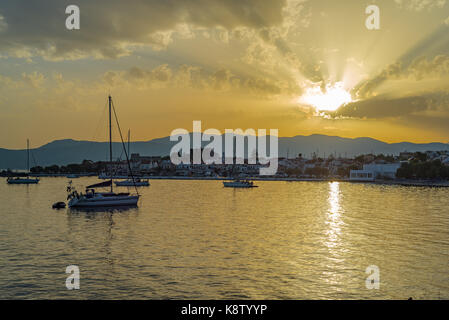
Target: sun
<point>326,100</point>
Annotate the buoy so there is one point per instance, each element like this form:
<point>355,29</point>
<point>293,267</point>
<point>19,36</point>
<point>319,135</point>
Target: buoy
<point>59,205</point>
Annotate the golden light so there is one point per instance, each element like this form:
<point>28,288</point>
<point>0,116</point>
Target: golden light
<point>333,220</point>
<point>330,99</point>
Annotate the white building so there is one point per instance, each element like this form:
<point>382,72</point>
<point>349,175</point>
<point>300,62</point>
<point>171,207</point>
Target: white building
<point>374,171</point>
<point>361,175</point>
<point>387,170</point>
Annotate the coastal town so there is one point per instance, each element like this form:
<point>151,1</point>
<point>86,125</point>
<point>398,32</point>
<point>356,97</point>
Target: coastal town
<point>431,165</point>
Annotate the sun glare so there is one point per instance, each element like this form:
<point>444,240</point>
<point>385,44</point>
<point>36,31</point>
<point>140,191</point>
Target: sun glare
<point>330,100</point>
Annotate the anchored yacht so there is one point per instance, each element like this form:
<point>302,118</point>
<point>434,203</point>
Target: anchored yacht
<point>22,180</point>
<point>27,180</point>
<point>239,184</point>
<point>91,198</point>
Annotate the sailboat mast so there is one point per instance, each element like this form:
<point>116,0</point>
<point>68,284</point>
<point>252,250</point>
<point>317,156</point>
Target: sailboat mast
<point>129,136</point>
<point>110,139</point>
<point>28,156</point>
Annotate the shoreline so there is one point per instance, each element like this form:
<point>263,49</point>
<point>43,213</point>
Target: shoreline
<point>409,183</point>
<point>399,182</point>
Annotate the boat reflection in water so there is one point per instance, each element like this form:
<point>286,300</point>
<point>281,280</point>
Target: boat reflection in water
<point>102,209</point>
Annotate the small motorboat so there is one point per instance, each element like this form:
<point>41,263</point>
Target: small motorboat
<point>59,205</point>
<point>239,184</point>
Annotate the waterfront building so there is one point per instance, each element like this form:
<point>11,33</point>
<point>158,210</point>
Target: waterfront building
<point>361,175</point>
<point>385,170</point>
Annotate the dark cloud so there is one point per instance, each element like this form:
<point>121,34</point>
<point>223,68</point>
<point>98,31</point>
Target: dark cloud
<point>366,88</point>
<point>387,107</point>
<point>382,108</point>
<point>110,27</point>
<point>421,68</point>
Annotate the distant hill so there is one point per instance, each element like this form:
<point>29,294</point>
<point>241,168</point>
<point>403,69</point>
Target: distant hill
<point>63,152</point>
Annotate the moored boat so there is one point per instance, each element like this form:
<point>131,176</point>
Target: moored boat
<point>239,184</point>
<point>91,198</point>
<point>19,180</point>
<point>27,179</point>
<point>133,182</point>
<point>106,176</point>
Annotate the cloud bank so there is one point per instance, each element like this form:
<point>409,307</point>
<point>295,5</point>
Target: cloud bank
<point>111,28</point>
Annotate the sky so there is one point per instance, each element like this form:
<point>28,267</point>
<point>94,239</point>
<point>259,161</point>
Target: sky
<point>300,66</point>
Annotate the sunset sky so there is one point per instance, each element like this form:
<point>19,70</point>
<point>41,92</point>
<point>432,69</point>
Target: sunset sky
<point>229,63</point>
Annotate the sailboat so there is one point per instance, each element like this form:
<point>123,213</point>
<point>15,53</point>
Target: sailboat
<point>26,180</point>
<point>137,182</point>
<point>91,198</point>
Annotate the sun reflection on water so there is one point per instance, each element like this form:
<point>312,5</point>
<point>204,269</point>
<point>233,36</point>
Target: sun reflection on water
<point>333,218</point>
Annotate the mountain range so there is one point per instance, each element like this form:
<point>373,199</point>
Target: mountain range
<point>63,152</point>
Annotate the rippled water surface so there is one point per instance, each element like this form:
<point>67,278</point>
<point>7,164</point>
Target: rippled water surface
<point>198,240</point>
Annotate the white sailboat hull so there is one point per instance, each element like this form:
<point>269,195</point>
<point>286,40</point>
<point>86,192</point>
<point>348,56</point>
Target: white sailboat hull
<point>236,184</point>
<point>101,201</point>
<point>22,181</point>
